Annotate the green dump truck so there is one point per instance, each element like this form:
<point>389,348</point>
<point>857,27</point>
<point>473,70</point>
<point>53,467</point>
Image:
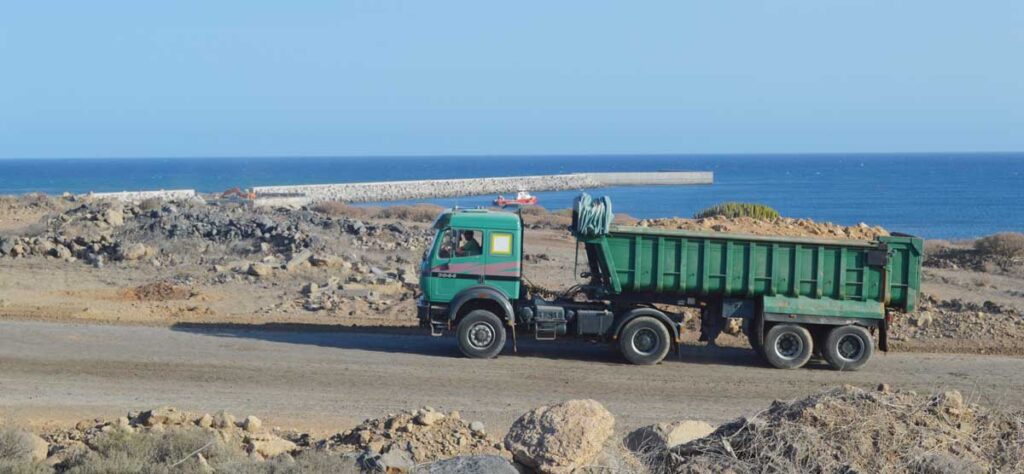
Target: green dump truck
<point>796,297</point>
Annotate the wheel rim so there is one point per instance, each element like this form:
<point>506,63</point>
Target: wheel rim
<point>481,335</point>
<point>645,341</point>
<point>850,348</point>
<point>789,346</point>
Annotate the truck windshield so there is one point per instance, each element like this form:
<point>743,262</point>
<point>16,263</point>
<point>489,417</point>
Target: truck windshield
<point>433,240</point>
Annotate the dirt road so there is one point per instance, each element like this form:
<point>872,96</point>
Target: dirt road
<point>327,380</point>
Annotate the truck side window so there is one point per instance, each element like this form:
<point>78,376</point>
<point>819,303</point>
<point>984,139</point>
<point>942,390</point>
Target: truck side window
<point>460,243</point>
<point>469,244</point>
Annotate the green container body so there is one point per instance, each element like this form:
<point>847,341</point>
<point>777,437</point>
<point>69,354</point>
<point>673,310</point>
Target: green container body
<point>821,277</point>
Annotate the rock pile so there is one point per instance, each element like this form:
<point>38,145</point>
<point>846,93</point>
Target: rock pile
<point>84,232</point>
<point>991,324</point>
<point>850,429</point>
<point>401,441</point>
<point>334,294</point>
<point>98,231</point>
<point>248,435</point>
<point>784,226</point>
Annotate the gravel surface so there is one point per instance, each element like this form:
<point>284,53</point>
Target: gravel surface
<point>316,379</point>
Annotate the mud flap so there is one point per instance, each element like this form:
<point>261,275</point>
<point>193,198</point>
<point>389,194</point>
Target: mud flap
<point>883,332</point>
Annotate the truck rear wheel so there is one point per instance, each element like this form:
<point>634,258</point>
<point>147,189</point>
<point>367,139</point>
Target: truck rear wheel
<point>848,347</point>
<point>788,346</point>
<point>481,335</point>
<point>644,341</point>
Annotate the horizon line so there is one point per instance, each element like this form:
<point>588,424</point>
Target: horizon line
<point>515,155</point>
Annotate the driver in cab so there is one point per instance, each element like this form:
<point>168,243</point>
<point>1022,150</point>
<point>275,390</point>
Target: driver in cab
<point>468,246</point>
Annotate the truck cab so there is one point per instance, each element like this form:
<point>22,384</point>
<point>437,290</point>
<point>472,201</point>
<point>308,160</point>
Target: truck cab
<point>474,263</point>
<point>471,282</point>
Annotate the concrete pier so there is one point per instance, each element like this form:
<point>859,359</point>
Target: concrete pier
<point>438,188</point>
<point>138,196</point>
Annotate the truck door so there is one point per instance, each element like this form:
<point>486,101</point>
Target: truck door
<point>458,263</point>
<point>502,261</point>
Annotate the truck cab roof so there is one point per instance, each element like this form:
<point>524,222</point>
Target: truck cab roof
<point>478,218</point>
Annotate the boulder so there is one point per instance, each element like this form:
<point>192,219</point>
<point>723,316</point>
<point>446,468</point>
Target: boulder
<point>40,449</point>
<point>483,464</point>
<point>325,261</point>
<point>41,247</point>
<point>6,245</point>
<point>923,319</point>
<point>662,436</point>
<point>163,415</point>
<point>428,418</point>
<point>205,421</point>
<point>260,269</point>
<point>298,260</point>
<point>252,424</point>
<point>395,461</point>
<point>410,276</point>
<point>114,216</point>
<point>733,327</point>
<point>61,252</point>
<point>268,445</point>
<point>560,438</point>
<point>224,421</point>
<point>134,251</point>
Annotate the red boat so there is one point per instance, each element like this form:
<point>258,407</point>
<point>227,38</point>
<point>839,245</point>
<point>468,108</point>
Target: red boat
<point>523,198</point>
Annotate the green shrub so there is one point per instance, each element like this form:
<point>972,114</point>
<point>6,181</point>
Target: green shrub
<point>739,209</point>
<point>1002,246</point>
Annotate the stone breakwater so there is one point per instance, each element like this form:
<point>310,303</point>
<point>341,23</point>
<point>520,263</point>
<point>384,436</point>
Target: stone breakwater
<point>138,196</point>
<point>437,188</point>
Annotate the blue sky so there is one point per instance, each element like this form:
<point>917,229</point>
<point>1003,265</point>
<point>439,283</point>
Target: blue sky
<point>377,77</point>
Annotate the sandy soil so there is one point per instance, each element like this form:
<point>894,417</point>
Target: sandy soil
<point>974,307</point>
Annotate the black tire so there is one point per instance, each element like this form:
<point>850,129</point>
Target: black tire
<point>788,346</point>
<point>644,341</point>
<point>481,335</point>
<point>848,347</point>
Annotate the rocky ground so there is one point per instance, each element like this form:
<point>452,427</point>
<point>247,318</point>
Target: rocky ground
<point>217,261</point>
<point>844,429</point>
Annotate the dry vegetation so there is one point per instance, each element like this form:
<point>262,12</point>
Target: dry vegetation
<point>840,430</point>
<point>413,213</point>
<point>854,430</point>
<point>1002,246</point>
<point>184,451</point>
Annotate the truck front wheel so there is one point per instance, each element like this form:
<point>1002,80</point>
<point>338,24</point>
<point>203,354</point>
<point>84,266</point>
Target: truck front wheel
<point>644,341</point>
<point>481,335</point>
<point>788,346</point>
<point>848,347</point>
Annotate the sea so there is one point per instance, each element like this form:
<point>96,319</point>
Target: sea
<point>932,195</point>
